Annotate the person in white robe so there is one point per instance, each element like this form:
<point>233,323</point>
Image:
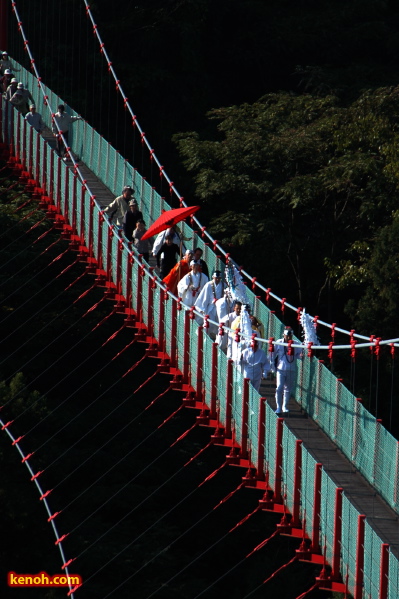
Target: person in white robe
<point>206,301</point>
<point>190,286</point>
<point>286,370</point>
<point>255,364</point>
<point>231,321</point>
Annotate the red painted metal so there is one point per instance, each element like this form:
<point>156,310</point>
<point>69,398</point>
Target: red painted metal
<point>279,460</point>
<point>200,356</point>
<point>229,397</point>
<point>100,240</point>
<point>58,190</point>
<point>109,253</point>
<point>297,483</point>
<point>244,420</point>
<point>186,346</point>
<point>74,203</point>
<point>66,195</point>
<point>161,324</point>
<point>359,575</point>
<point>384,571</point>
<point>315,544</point>
<point>51,183</point>
<point>139,293</point>
<point>336,561</point>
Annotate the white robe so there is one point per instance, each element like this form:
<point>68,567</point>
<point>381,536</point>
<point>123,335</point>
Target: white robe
<point>254,365</point>
<point>227,342</point>
<point>190,286</point>
<point>206,302</point>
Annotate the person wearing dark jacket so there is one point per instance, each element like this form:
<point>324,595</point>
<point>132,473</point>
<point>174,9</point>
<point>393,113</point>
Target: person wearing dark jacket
<point>166,256</point>
<point>132,216</point>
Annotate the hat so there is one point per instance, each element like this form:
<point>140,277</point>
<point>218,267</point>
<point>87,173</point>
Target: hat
<point>4,53</point>
<point>132,202</point>
<point>288,330</point>
<point>216,273</point>
<point>7,72</point>
<point>20,85</point>
<point>127,188</point>
<point>14,80</point>
<point>194,262</point>
<point>32,106</point>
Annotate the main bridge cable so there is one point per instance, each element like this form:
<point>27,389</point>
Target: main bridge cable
<point>172,188</point>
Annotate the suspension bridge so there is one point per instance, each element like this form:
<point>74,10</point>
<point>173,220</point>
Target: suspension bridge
<point>329,471</point>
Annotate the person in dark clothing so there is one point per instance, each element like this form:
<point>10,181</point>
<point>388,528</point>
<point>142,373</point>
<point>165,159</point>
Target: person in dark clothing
<point>130,219</point>
<point>166,256</point>
<point>198,258</point>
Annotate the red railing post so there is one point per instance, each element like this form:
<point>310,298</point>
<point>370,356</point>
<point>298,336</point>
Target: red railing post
<point>315,546</point>
<point>297,483</point>
<point>66,196</point>
<point>74,203</point>
<point>38,157</point>
<point>384,571</point>
<point>200,348</point>
<point>336,560</point>
<point>100,241</point>
<point>214,379</point>
<point>44,175</point>
<point>186,346</point>
<point>229,397</point>
<point>128,275</point>
<point>118,281</point>
<point>261,439</point>
<point>51,184</point>
<point>244,419</point>
<point>29,151</point>
<point>279,459</point>
<point>58,190</point>
<point>150,303</point>
<point>359,574</point>
<point>139,292</point>
<point>161,317</point>
<point>173,341</point>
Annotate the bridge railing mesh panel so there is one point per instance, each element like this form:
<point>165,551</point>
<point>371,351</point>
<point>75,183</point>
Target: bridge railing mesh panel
<point>270,445</point>
<point>253,423</point>
<point>327,511</point>
<point>372,555</point>
<point>349,541</point>
<point>222,386</point>
<point>393,578</point>
<point>207,369</point>
<point>307,491</point>
<point>289,446</point>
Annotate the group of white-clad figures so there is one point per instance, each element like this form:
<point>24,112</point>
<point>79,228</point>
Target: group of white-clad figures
<point>237,331</point>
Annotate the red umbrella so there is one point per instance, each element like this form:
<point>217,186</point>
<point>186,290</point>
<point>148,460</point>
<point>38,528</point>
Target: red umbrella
<point>169,219</point>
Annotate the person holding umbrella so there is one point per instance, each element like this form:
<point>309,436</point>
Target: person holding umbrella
<point>166,255</point>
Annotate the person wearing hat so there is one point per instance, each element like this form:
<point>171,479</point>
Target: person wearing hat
<point>61,124</point>
<point>230,321</point>
<point>22,98</point>
<point>132,216</point>
<point>5,63</point>
<point>178,272</point>
<point>35,119</point>
<point>285,362</point>
<point>5,80</point>
<point>206,301</point>
<point>255,364</point>
<point>166,256</point>
<point>190,286</point>
<point>120,205</point>
<point>11,89</point>
<point>143,246</point>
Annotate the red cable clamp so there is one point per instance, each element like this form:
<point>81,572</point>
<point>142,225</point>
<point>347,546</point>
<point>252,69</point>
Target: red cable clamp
<point>94,29</point>
<point>181,200</point>
<point>154,283</point>
<point>166,294</point>
<point>161,169</point>
<point>298,314</point>
<point>142,137</point>
<point>203,229</point>
<point>271,345</point>
<point>316,324</point>
<point>125,101</point>
<point>215,242</point>
<point>18,440</point>
<point>351,335</point>
<point>221,330</point>
<point>68,563</point>
<point>102,47</point>
<point>310,350</point>
<point>192,315</point>
<point>227,257</point>
<point>268,290</point>
<point>253,342</point>
<point>88,9</point>
<point>152,154</point>
<point>334,324</point>
<point>179,301</point>
<point>353,348</point>
<point>27,457</point>
<point>7,424</point>
<point>377,347</point>
<point>109,65</point>
<point>58,541</point>
<point>290,351</point>
<point>53,516</point>
<point>117,82</point>
<point>237,335</point>
<point>253,281</point>
<point>330,350</point>
<point>392,350</point>
<point>283,300</point>
<point>37,474</point>
<point>206,323</point>
<point>45,494</point>
<point>171,188</point>
<point>372,337</point>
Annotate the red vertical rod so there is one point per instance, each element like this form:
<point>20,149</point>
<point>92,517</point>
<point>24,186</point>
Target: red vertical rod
<point>384,571</point>
<point>297,483</point>
<point>279,459</point>
<point>38,156</point>
<point>161,329</point>
<point>51,184</point>
<point>100,241</point>
<point>229,397</point>
<point>139,292</point>
<point>200,347</point>
<point>244,419</point>
<point>18,144</point>
<point>81,232</point>
<point>173,341</point>
<point>109,253</point>
<point>128,275</point>
<point>29,152</point>
<point>3,24</point>
<point>336,560</point>
<point>58,190</point>
<point>359,574</point>
<point>261,439</point>
<point>44,176</point>
<point>91,226</point>
<point>214,379</point>
<point>186,350</point>
<point>66,197</point>
<point>315,546</point>
<point>119,267</point>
